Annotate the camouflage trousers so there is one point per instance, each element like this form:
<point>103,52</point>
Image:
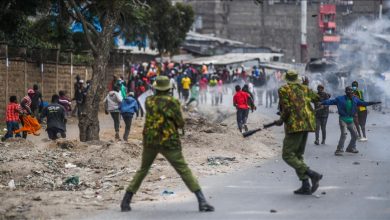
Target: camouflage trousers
<point>293,150</point>
<point>174,157</point>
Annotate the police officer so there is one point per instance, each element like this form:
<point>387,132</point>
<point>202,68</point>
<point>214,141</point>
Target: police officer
<point>298,117</point>
<point>160,135</point>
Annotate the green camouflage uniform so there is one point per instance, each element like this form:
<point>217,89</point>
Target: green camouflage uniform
<point>160,135</point>
<point>299,119</point>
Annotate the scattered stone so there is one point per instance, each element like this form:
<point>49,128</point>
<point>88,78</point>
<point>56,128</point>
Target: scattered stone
<point>119,188</point>
<point>66,144</point>
<point>220,160</point>
<point>273,211</point>
<point>74,180</point>
<point>70,165</point>
<point>11,185</point>
<point>323,193</point>
<point>356,163</point>
<point>167,192</point>
<point>37,198</point>
<point>162,177</point>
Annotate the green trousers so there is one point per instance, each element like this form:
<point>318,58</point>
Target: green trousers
<point>174,157</point>
<point>293,150</point>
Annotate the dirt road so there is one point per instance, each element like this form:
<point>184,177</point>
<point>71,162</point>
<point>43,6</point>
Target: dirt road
<point>55,180</point>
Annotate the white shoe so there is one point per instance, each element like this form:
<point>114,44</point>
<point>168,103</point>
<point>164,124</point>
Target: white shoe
<point>363,139</point>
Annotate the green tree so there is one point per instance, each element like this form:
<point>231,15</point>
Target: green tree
<point>102,20</point>
<point>15,25</point>
<point>115,17</point>
<point>170,25</point>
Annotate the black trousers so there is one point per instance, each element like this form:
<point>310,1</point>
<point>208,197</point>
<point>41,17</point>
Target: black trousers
<point>53,133</point>
<point>127,117</point>
<point>115,117</point>
<point>242,116</point>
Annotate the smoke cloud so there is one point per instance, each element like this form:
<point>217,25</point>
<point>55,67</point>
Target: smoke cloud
<point>363,56</point>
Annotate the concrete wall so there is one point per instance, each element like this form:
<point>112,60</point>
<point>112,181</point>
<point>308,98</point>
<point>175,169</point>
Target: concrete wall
<point>276,25</point>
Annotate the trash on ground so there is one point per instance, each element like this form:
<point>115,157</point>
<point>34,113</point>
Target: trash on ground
<point>66,144</point>
<point>11,184</point>
<point>37,198</point>
<point>74,180</point>
<point>220,160</point>
<point>167,192</point>
<point>70,165</point>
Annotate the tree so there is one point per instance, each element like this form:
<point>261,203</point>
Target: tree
<point>170,25</point>
<point>15,25</point>
<point>115,17</point>
<point>101,20</point>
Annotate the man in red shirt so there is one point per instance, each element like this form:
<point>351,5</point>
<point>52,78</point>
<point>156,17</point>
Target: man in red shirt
<point>12,118</point>
<point>240,101</point>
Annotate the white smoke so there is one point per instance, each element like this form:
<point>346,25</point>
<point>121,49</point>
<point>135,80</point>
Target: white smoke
<point>365,54</point>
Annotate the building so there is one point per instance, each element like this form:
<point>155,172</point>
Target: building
<point>276,23</point>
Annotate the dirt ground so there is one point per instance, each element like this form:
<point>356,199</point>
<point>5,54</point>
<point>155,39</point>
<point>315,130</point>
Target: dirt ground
<point>41,179</point>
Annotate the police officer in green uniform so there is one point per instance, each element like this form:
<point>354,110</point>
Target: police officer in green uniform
<point>299,119</point>
<point>160,135</point>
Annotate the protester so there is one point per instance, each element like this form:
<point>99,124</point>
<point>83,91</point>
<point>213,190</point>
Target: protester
<point>163,114</point>
<point>251,101</point>
<point>65,102</point>
<point>298,117</point>
<point>213,90</point>
<point>111,105</point>
<point>219,94</point>
<point>240,101</point>
<point>75,88</point>
<point>322,113</point>
<point>172,81</point>
<point>270,88</point>
<point>79,96</point>
<point>361,115</point>
<point>179,79</point>
<point>25,108</point>
<point>203,89</point>
<point>128,107</point>
<point>36,101</point>
<point>140,88</point>
<point>12,118</point>
<point>347,107</point>
<point>55,118</point>
<point>186,82</point>
<point>194,95</point>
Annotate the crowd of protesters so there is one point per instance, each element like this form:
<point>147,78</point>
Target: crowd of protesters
<point>193,85</point>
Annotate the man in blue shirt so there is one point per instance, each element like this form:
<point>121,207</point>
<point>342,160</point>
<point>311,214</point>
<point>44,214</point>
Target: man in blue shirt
<point>347,107</point>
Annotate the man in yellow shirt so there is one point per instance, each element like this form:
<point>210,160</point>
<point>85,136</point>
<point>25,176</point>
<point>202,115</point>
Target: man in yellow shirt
<point>186,82</point>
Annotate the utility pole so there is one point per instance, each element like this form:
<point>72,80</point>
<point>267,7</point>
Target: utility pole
<point>380,8</point>
<point>304,52</point>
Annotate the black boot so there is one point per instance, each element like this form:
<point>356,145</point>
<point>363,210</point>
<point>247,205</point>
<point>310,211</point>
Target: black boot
<point>203,205</point>
<point>317,142</point>
<point>305,188</point>
<point>125,205</point>
<point>315,179</point>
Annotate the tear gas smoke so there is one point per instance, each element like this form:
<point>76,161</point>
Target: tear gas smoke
<point>363,55</point>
